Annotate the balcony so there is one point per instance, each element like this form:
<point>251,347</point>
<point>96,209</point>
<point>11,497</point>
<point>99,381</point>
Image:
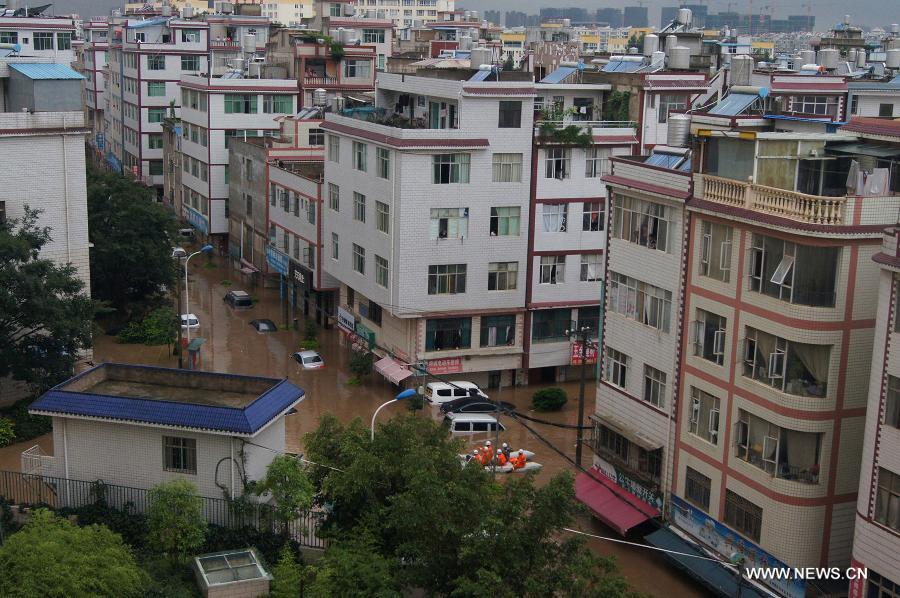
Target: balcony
<point>582,132</point>
<point>800,207</point>
<point>320,81</point>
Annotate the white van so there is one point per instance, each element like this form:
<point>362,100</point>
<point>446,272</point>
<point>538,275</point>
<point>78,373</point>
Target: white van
<point>441,392</point>
<point>472,423</point>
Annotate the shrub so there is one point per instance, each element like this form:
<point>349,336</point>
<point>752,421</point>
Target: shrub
<point>287,574</point>
<point>131,526</point>
<point>361,363</point>
<point>7,431</point>
<point>156,328</point>
<point>549,399</point>
<point>25,425</point>
<point>175,518</point>
<point>268,544</point>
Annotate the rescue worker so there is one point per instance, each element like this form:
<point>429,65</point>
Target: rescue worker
<point>500,458</point>
<point>519,460</point>
<point>476,456</point>
<point>507,451</point>
<point>489,449</point>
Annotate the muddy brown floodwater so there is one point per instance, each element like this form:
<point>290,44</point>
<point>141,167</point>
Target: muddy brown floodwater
<point>233,346</point>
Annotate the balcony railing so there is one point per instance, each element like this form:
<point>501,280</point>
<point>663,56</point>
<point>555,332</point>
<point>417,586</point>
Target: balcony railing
<point>320,80</point>
<point>813,209</point>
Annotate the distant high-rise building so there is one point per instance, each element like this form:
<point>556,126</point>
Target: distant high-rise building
<point>636,16</point>
<point>515,18</point>
<point>667,14</point>
<point>494,16</point>
<point>577,15</point>
<point>611,16</point>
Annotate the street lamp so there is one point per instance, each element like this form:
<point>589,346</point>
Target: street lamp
<point>187,296</point>
<point>583,334</point>
<point>406,394</point>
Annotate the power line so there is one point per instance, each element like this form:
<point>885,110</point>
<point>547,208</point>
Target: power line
<point>648,547</point>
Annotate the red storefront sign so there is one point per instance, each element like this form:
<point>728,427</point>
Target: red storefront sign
<point>448,365</point>
<point>591,353</point>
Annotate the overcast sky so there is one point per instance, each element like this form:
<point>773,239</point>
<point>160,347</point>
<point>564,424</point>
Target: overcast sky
<point>827,12</point>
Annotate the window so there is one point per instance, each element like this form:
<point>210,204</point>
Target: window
<point>550,325</point>
<point>640,301</point>
<point>668,102</point>
<point>357,69</point>
<point>64,41</point>
<point>886,110</point>
<point>334,148</point>
<point>240,103</point>
<point>156,115</point>
<point>351,297</point>
<point>783,453</point>
<point>795,368</point>
<point>709,336</point>
<point>447,279</point>
<point>697,488</point>
<point>448,333</point>
<point>310,211</point>
<point>592,216</point>
<point>9,37</point>
<point>887,502</point>
<point>190,63</point>
<point>596,163</point>
<point>715,253</point>
<point>743,515</point>
<point>280,104</point>
<point>654,386</point>
<point>248,205</point>
<point>375,313</point>
<point>43,40</point>
<point>450,168</point>
<point>818,105</point>
<point>507,168</point>
<point>553,269</point>
<point>360,161</point>
<point>335,246</point>
<point>556,164</point>
<point>383,159</point>
<point>449,223</point>
<point>334,10</point>
<point>155,168</point>
<point>878,586</point>
<point>498,331</point>
<point>502,276</point>
<point>180,454</point>
<point>373,36</point>
<point>156,62</point>
<point>615,369</point>
<point>505,222</point>
<point>554,216</point>
<point>359,259</point>
<point>190,36</point>
<point>383,217</point>
<point>156,89</point>
<point>611,443</point>
<point>359,207</point>
<point>794,273</point>
<point>155,141</point>
<point>703,421</point>
<point>510,115</point>
<point>382,271</point>
<point>642,222</point>
<point>2,212</point>
<point>591,267</point>
<point>892,407</point>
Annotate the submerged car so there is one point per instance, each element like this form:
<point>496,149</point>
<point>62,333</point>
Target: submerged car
<point>264,325</point>
<point>309,360</point>
<point>238,299</point>
<point>189,321</point>
<point>475,405</point>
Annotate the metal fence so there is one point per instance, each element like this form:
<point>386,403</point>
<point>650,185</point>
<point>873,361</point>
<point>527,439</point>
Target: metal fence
<point>58,493</point>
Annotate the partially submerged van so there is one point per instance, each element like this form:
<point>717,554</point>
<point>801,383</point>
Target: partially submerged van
<point>472,423</point>
<point>441,392</point>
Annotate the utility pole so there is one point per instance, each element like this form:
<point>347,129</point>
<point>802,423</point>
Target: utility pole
<point>178,348</point>
<point>583,336</point>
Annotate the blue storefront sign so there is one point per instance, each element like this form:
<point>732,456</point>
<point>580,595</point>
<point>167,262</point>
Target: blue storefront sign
<point>196,219</point>
<point>727,542</point>
<point>100,141</point>
<point>114,162</point>
<point>279,261</point>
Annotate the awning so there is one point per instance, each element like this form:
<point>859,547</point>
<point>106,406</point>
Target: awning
<point>633,436</point>
<point>612,504</point>
<point>865,149</point>
<point>715,577</point>
<point>393,370</point>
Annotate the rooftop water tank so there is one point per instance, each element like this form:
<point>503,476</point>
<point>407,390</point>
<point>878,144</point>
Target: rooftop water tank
<point>807,56</point>
<point>895,27</point>
<point>861,59</point>
<point>187,12</point>
<point>633,50</point>
<point>680,58</point>
<point>651,44</point>
<point>829,58</point>
<point>465,42</point>
<point>741,69</point>
<point>684,16</point>
<point>166,10</point>
<point>248,43</point>
<point>658,58</point>
<point>893,59</point>
<point>320,97</point>
<point>851,55</point>
<point>679,130</point>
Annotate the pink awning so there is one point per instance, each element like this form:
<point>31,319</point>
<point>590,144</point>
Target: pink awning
<point>393,370</point>
<point>612,504</point>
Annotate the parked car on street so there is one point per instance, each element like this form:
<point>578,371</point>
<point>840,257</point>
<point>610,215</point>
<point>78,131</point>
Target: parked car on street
<point>264,325</point>
<point>474,405</point>
<point>238,299</point>
<point>441,392</point>
<point>189,321</point>
<point>309,360</point>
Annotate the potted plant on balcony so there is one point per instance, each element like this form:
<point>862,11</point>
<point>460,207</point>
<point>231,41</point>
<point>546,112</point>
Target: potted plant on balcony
<point>554,127</point>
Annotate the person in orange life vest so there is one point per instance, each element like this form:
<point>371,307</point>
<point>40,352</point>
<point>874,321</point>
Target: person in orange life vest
<point>507,452</point>
<point>476,456</point>
<point>500,458</point>
<point>489,449</point>
<point>519,461</point>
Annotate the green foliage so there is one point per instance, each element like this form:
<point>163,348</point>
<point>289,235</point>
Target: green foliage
<point>509,64</point>
<point>175,518</point>
<point>476,537</point>
<point>50,556</point>
<point>226,283</point>
<point>360,363</point>
<point>25,425</point>
<point>552,128</point>
<point>354,381</point>
<point>287,576</point>
<point>7,431</point>
<point>267,544</point>
<point>549,399</point>
<point>156,328</point>
<point>311,330</point>
<point>337,50</point>
<point>169,579</point>
<point>45,318</point>
<point>132,527</point>
<point>616,107</point>
<point>310,344</point>
<point>637,41</point>
<point>131,259</point>
<point>291,490</point>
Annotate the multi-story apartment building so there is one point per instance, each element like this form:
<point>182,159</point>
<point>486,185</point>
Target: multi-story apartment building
<point>369,32</point>
<point>215,110</point>
<point>426,222</point>
<point>47,37</point>
<point>288,12</point>
<point>876,541</point>
<point>568,207</point>
<point>91,63</point>
<point>404,13</point>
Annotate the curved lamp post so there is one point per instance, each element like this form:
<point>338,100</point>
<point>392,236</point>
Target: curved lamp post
<point>187,296</point>
<point>406,394</point>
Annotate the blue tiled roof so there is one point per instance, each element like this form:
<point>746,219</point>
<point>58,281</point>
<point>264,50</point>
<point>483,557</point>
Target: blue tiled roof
<point>45,70</point>
<point>244,421</point>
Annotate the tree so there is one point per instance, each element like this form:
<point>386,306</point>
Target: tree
<point>291,490</point>
<point>354,567</point>
<point>45,316</point>
<point>287,576</point>
<point>156,328</point>
<point>360,363</point>
<point>50,556</point>
<point>175,518</point>
<point>131,258</point>
<point>7,431</point>
<point>549,399</point>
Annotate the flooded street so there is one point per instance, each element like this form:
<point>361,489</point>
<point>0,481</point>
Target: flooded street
<point>233,346</point>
